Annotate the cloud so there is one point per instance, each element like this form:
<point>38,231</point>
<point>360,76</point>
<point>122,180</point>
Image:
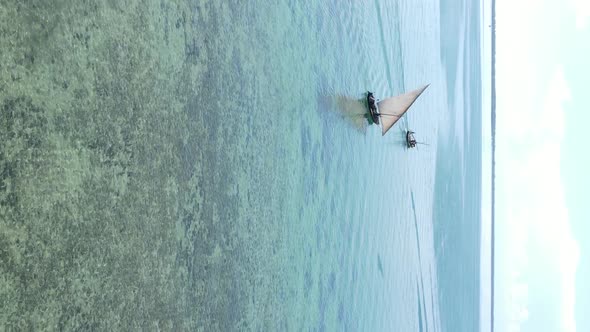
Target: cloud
<point>582,11</point>
<point>529,178</point>
<point>569,264</point>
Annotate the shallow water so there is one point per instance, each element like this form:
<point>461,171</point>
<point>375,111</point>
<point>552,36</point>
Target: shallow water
<point>207,165</point>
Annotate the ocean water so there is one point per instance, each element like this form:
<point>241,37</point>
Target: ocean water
<point>207,165</point>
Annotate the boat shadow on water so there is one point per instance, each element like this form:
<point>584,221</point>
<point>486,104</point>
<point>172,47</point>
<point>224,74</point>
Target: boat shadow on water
<point>352,110</point>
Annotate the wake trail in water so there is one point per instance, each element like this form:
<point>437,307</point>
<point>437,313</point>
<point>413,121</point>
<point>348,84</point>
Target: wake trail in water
<point>398,48</point>
<point>420,284</point>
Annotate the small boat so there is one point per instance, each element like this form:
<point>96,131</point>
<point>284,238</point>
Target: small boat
<point>392,109</point>
<point>410,139</point>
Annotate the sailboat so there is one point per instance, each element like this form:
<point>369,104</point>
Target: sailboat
<point>392,109</point>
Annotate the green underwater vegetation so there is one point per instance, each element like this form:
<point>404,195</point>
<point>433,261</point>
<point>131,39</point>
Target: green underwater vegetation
<point>134,194</point>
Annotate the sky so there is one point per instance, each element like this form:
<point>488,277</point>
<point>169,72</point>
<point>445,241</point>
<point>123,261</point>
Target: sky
<point>542,228</point>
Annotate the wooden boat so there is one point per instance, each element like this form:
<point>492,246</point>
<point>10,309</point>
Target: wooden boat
<point>410,139</point>
<point>371,101</point>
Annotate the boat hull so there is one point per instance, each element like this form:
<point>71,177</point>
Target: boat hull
<point>372,108</point>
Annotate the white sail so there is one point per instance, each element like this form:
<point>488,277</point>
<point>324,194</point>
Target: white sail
<point>392,109</point>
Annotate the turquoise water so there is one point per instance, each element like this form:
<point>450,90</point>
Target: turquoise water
<point>206,165</point>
